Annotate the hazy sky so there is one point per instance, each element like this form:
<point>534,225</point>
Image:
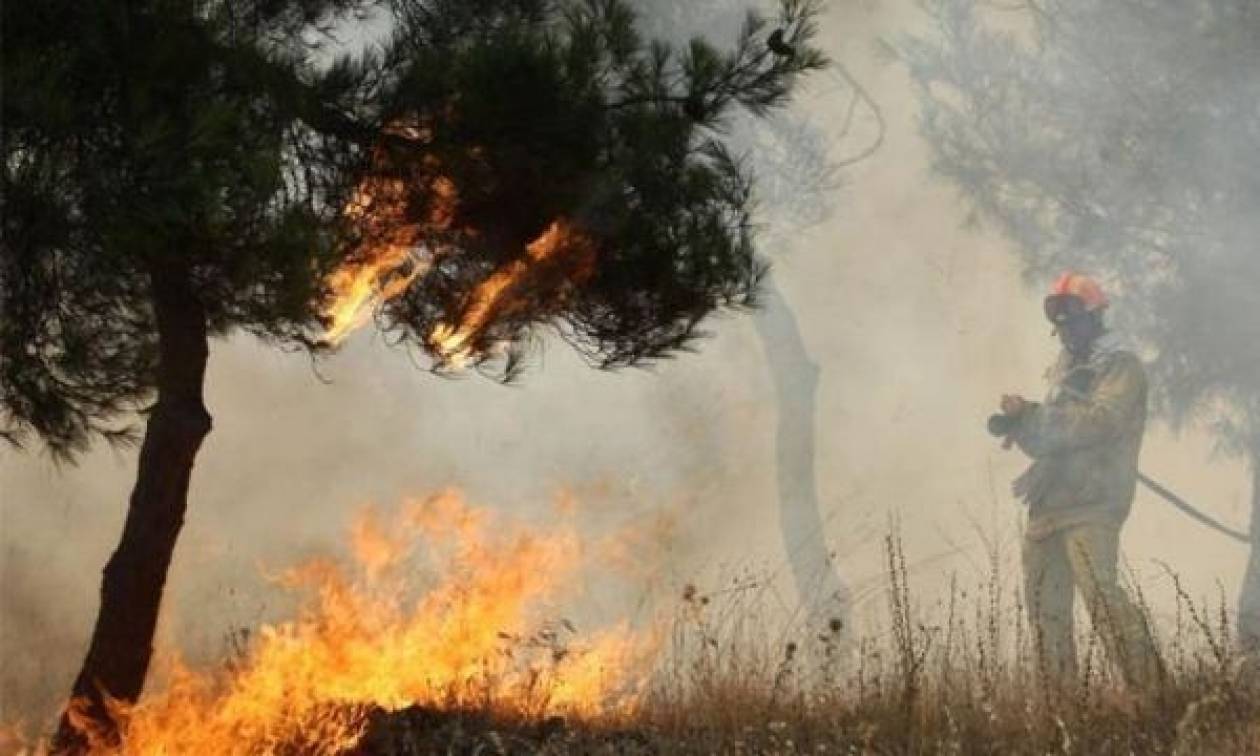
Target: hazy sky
<point>917,322</point>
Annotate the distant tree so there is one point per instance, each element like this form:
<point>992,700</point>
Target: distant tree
<point>1123,137</point>
<point>176,170</point>
<point>797,159</point>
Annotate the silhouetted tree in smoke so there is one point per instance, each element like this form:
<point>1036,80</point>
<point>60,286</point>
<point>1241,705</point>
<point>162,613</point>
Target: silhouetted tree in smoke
<point>176,170</point>
<point>1123,137</point>
<point>796,158</point>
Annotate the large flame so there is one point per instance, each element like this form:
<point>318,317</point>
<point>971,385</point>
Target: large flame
<point>474,636</point>
<point>396,249</point>
<point>560,250</point>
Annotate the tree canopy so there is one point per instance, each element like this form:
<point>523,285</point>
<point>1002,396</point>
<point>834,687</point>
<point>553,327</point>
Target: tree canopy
<point>209,137</point>
<point>176,170</point>
<point>192,135</point>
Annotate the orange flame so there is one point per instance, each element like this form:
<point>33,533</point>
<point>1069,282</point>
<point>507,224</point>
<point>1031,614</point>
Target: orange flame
<point>393,253</point>
<point>397,251</point>
<point>497,295</point>
<point>13,740</point>
<point>370,639</point>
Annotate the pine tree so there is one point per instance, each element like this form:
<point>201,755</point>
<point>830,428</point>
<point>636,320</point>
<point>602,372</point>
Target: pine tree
<point>179,170</point>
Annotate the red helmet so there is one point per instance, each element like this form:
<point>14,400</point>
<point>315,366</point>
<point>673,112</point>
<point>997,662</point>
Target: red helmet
<point>1072,294</point>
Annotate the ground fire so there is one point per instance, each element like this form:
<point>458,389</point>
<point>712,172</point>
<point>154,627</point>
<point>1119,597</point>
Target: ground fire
<point>439,604</point>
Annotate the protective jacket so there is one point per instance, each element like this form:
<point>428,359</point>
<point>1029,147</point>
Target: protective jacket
<point>1084,440</point>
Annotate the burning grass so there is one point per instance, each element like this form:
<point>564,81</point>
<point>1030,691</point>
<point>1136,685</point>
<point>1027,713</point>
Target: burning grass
<point>438,635</point>
<point>442,606</point>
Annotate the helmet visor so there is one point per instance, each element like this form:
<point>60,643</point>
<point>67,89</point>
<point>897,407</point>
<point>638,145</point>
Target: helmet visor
<point>1061,308</point>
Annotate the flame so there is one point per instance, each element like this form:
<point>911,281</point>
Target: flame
<point>13,740</point>
<point>395,251</point>
<point>498,295</point>
<point>368,638</point>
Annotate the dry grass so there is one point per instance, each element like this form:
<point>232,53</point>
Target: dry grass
<point>969,683</point>
<point>963,679</point>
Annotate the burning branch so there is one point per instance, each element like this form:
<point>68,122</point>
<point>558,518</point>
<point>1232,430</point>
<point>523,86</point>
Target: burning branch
<point>555,263</point>
<point>394,250</point>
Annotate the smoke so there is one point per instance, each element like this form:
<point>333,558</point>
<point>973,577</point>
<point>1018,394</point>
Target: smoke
<point>918,322</point>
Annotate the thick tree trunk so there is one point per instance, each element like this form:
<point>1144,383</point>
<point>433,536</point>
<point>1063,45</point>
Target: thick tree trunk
<point>133,579</point>
<point>1249,599</point>
<point>823,595</point>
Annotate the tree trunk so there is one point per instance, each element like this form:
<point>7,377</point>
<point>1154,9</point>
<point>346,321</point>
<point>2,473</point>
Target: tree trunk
<point>1249,599</point>
<point>133,579</point>
<point>823,595</point>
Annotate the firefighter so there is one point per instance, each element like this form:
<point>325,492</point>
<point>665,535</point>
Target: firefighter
<point>1084,441</point>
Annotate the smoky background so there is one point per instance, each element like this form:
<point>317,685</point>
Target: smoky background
<point>916,320</point>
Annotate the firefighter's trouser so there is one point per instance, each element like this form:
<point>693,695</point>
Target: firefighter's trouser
<point>1084,558</point>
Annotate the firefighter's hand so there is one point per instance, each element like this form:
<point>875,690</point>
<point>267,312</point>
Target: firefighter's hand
<point>1013,405</point>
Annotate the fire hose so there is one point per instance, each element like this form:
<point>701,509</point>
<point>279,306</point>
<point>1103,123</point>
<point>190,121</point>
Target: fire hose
<point>1001,425</point>
<point>1190,510</point>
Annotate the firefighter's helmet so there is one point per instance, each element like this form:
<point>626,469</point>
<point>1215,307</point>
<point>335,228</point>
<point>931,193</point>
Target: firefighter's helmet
<point>1073,294</point>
